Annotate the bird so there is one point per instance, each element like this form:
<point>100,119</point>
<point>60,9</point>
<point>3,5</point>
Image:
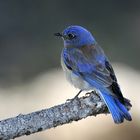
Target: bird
<point>88,68</point>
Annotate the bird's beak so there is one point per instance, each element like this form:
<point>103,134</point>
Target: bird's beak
<point>58,34</point>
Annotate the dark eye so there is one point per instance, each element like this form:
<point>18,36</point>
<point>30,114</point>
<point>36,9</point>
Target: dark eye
<point>71,36</point>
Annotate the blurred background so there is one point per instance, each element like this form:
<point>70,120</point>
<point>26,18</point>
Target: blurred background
<point>30,74</point>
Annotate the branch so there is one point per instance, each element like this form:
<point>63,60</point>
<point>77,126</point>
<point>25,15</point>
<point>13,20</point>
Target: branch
<point>74,110</point>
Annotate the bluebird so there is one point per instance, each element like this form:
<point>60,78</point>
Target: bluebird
<point>88,68</point>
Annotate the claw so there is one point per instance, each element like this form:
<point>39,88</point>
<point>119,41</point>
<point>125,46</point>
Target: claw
<point>75,98</point>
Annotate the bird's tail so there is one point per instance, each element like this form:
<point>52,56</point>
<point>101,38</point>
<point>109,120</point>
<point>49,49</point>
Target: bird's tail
<point>116,108</point>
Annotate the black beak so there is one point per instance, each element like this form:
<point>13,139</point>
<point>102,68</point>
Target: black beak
<point>58,34</point>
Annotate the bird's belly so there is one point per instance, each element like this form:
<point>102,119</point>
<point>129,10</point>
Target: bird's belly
<point>77,81</point>
<point>74,79</point>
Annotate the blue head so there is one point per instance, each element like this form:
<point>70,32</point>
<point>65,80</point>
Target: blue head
<point>76,36</point>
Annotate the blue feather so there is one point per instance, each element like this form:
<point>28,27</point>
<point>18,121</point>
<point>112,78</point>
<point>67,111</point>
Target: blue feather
<point>115,107</point>
<point>124,111</point>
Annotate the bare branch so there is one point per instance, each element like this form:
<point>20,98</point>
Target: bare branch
<point>48,118</point>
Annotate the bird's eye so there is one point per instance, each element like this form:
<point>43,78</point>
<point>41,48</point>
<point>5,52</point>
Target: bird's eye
<point>71,36</point>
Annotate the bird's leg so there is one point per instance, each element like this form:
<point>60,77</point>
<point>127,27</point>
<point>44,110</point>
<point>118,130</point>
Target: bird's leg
<point>75,96</point>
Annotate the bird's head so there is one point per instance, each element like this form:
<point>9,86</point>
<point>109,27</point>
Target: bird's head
<point>76,36</point>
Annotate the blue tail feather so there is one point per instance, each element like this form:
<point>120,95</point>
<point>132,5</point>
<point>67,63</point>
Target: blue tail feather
<point>125,112</point>
<point>116,108</point>
<point>113,108</point>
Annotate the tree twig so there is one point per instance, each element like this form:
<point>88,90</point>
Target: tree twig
<point>48,118</point>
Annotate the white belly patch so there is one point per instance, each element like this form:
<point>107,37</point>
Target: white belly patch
<point>75,80</point>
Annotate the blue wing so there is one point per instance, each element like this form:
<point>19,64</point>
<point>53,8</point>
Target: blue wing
<point>91,62</point>
<point>88,61</point>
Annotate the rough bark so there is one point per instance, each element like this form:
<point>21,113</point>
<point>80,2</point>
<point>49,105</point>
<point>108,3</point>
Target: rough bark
<point>73,110</point>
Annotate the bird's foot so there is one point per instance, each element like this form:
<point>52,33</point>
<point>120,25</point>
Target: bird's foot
<point>92,92</point>
<point>75,98</point>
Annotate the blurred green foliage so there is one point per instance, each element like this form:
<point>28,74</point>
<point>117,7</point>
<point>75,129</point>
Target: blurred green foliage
<point>27,44</point>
